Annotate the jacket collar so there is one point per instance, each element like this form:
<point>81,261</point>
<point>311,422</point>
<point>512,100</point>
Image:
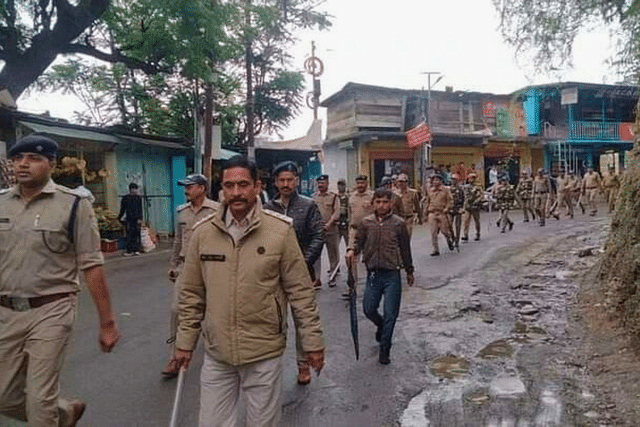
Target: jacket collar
<point>219,220</point>
<point>49,188</point>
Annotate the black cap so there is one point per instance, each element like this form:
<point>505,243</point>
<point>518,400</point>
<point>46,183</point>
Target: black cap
<point>438,176</point>
<point>361,178</point>
<point>342,181</point>
<point>34,143</point>
<point>195,178</point>
<point>287,166</point>
<point>323,177</point>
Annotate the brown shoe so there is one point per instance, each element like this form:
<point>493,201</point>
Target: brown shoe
<point>171,370</point>
<point>71,412</point>
<point>317,284</point>
<point>304,373</point>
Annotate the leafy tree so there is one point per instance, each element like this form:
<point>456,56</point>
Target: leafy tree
<point>548,29</point>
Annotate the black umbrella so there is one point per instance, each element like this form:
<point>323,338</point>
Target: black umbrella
<point>353,311</point>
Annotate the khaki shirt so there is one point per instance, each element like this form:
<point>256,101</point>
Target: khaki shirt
<point>610,180</point>
<point>564,184</point>
<point>187,217</point>
<point>438,200</point>
<point>329,205</point>
<point>360,206</point>
<point>590,181</point>
<point>541,185</point>
<point>410,202</point>
<point>36,255</point>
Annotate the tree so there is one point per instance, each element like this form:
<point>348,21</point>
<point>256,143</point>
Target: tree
<point>548,28</point>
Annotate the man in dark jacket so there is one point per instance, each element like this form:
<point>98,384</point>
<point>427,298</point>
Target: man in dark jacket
<point>308,225</point>
<point>383,240</point>
<point>131,209</point>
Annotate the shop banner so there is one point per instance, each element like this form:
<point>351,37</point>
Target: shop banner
<point>420,134</point>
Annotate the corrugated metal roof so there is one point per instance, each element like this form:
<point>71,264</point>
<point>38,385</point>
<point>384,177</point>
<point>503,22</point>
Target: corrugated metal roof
<point>153,142</point>
<point>68,132</point>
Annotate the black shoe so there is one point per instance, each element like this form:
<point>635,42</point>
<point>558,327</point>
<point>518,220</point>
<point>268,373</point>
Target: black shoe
<point>435,253</point>
<point>477,238</point>
<point>542,224</point>
<point>451,245</point>
<point>379,334</point>
<point>556,216</point>
<point>502,231</point>
<point>464,239</point>
<point>510,226</point>
<point>498,223</point>
<point>526,220</point>
<point>384,356</point>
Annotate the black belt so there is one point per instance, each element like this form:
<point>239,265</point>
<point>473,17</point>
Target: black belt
<point>24,304</point>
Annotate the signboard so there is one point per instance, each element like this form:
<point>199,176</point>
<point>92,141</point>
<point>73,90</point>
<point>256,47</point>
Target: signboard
<point>569,96</point>
<point>488,109</point>
<point>420,134</point>
<point>626,131</point>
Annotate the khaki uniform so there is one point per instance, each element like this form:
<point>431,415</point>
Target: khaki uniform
<point>437,204</point>
<point>187,218</point>
<point>329,206</point>
<point>590,187</point>
<point>410,206</point>
<point>360,206</point>
<point>565,188</point>
<point>505,196</point>
<point>611,185</point>
<point>541,190</point>
<point>39,261</point>
<point>235,286</point>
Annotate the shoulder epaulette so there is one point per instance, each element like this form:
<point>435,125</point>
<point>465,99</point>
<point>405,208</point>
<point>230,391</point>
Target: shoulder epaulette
<point>280,216</point>
<point>203,220</point>
<point>183,206</point>
<point>83,193</point>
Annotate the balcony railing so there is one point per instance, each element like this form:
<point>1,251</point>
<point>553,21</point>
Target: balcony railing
<point>594,130</point>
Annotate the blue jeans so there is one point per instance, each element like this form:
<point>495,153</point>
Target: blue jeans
<point>379,283</point>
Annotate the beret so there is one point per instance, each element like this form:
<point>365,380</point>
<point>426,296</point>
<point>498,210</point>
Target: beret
<point>287,166</point>
<point>34,143</point>
<point>195,178</point>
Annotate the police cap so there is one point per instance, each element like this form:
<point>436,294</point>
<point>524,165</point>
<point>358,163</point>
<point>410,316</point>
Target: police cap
<point>195,178</point>
<point>385,180</point>
<point>35,143</point>
<point>341,181</point>
<point>361,178</point>
<point>323,177</point>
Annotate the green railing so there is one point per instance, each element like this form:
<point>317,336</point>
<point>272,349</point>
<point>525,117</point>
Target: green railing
<point>594,130</point>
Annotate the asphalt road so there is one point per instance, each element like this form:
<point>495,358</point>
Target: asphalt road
<point>125,389</point>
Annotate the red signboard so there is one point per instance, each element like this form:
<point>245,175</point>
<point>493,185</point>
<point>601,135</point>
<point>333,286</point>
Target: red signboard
<point>488,109</point>
<point>419,135</point>
<point>626,131</point>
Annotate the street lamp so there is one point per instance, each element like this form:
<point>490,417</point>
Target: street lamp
<point>426,155</point>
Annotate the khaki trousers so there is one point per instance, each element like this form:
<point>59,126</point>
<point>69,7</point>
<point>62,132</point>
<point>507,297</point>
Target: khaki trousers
<point>438,222</point>
<point>564,199</point>
<point>333,250</point>
<point>592,194</point>
<point>409,221</point>
<point>221,385</point>
<point>475,214</point>
<point>610,194</point>
<point>32,349</point>
<point>540,206</point>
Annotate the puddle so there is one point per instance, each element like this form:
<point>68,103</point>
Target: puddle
<point>449,366</point>
<point>497,349</point>
<point>478,397</point>
<point>525,334</point>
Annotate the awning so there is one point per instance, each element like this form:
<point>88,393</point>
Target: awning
<point>312,141</point>
<point>152,142</point>
<point>69,132</point>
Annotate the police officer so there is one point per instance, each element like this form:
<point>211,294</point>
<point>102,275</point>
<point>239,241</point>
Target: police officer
<point>410,200</point>
<point>523,193</point>
<point>308,225</point>
<point>473,195</point>
<point>591,185</point>
<point>343,220</point>
<point>541,190</point>
<point>360,206</point>
<point>198,206</point>
<point>457,195</point>
<point>505,197</point>
<point>438,203</point>
<point>611,185</point>
<point>48,235</point>
<point>329,206</point>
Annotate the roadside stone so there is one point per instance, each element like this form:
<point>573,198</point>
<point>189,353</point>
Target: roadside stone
<point>528,310</point>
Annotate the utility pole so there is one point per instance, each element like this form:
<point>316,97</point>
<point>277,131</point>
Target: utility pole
<point>426,154</point>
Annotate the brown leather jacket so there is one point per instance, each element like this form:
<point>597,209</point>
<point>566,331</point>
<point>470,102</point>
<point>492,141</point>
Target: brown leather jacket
<point>384,243</point>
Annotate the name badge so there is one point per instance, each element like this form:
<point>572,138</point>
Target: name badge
<point>212,257</point>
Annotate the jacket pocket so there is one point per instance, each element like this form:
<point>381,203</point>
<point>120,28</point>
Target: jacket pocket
<point>53,238</point>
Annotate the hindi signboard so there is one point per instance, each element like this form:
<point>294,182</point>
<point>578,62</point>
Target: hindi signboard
<point>420,134</point>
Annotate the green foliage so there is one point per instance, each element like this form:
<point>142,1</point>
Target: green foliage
<point>546,29</point>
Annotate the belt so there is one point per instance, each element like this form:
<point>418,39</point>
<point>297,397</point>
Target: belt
<point>24,304</point>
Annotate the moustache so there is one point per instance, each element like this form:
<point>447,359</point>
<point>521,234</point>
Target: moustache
<point>238,199</point>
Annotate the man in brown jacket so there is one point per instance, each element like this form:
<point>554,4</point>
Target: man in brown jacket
<point>242,266</point>
<point>438,203</point>
<point>384,242</point>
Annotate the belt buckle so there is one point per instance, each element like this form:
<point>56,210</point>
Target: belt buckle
<point>20,304</point>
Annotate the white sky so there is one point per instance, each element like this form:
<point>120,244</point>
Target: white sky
<point>391,43</point>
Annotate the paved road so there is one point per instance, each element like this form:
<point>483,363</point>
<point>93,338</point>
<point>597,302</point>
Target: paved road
<point>124,389</point>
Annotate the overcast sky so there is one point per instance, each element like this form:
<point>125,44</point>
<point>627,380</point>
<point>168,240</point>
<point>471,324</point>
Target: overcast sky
<point>392,43</point>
